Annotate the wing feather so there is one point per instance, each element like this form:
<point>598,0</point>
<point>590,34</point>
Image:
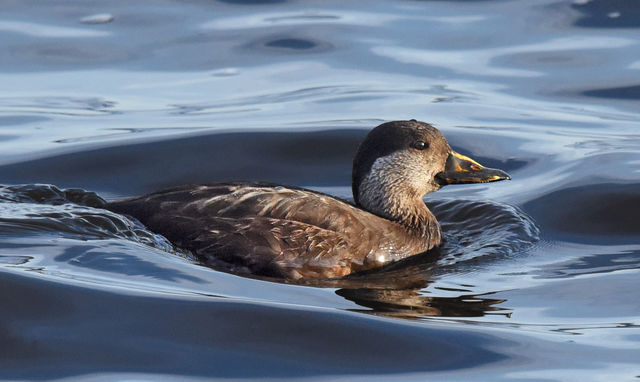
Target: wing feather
<point>258,228</point>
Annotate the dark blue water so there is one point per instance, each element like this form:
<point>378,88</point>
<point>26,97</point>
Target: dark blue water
<point>538,279</point>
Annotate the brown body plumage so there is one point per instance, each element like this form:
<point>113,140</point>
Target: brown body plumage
<point>292,233</point>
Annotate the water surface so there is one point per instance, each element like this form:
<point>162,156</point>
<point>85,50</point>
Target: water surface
<point>538,279</point>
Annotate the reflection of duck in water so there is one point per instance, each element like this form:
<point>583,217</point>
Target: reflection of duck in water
<point>411,303</point>
<point>297,234</point>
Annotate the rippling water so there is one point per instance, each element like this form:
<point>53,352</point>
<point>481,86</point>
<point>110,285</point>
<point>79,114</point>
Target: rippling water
<point>537,280</point>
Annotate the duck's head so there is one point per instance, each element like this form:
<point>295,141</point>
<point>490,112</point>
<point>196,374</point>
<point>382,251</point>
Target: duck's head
<point>399,162</point>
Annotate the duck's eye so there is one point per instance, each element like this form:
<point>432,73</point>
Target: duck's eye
<point>421,145</point>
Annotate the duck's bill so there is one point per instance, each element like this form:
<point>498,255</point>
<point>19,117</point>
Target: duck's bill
<point>462,169</point>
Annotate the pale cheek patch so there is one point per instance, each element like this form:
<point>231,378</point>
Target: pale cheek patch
<point>393,176</point>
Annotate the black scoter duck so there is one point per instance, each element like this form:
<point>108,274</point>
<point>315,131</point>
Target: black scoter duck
<point>272,230</point>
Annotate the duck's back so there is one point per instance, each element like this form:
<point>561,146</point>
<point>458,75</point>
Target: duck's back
<point>270,230</point>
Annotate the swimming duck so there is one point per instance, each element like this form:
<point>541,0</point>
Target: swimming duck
<point>291,233</point>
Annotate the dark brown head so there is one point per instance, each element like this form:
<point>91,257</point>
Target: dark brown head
<point>399,162</point>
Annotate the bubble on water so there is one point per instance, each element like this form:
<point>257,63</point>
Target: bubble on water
<point>99,18</point>
<point>225,72</point>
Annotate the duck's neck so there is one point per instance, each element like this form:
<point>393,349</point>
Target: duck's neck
<point>387,194</point>
<point>414,216</point>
